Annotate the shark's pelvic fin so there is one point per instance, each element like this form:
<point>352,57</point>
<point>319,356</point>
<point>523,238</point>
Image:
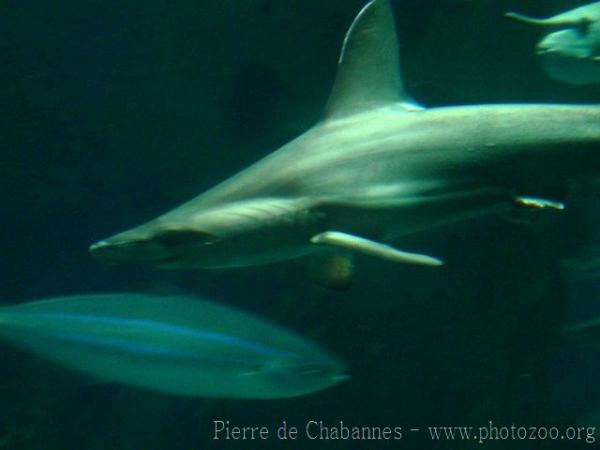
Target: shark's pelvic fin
<point>369,65</point>
<point>377,249</point>
<point>538,203</point>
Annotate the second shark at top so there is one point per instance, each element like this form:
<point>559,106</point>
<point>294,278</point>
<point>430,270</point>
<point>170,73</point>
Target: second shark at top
<point>376,168</point>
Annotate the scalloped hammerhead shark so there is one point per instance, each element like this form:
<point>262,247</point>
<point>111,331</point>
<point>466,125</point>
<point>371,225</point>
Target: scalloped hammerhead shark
<point>377,167</point>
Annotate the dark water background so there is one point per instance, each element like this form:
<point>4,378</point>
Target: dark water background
<point>114,112</point>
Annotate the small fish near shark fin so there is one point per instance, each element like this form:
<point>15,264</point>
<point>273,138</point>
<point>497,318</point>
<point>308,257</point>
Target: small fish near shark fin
<point>539,203</point>
<point>369,65</point>
<point>368,247</point>
<point>526,206</point>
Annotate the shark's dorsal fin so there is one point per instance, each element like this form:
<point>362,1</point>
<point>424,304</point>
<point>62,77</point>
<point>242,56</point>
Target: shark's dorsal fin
<point>369,65</point>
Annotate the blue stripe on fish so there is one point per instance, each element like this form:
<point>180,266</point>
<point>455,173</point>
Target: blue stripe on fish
<point>173,329</point>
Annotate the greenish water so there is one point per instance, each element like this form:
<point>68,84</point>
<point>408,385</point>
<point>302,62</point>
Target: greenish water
<point>117,111</point>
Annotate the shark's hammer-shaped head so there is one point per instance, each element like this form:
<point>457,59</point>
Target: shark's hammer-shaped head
<point>235,234</point>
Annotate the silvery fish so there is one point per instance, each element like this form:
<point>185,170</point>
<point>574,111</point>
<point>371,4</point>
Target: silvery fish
<point>570,51</point>
<point>174,345</point>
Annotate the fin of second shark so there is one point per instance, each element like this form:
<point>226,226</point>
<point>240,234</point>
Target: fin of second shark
<point>570,18</point>
<point>369,66</point>
<point>373,248</point>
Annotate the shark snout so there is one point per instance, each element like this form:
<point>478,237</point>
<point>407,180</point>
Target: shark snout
<point>124,248</point>
<point>111,252</point>
<point>97,247</point>
<point>544,49</point>
<point>150,245</point>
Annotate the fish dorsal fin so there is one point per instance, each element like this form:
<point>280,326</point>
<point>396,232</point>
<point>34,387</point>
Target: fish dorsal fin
<point>369,66</point>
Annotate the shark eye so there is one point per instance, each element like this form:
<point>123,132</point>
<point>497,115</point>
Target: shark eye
<point>174,238</point>
<point>583,26</point>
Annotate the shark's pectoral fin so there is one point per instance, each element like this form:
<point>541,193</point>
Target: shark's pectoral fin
<point>369,67</point>
<point>377,249</point>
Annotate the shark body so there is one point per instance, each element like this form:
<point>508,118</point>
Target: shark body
<point>377,167</point>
